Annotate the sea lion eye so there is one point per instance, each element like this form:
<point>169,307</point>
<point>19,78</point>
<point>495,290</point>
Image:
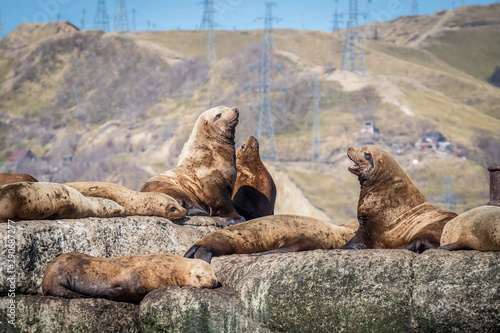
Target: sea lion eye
<point>368,156</point>
<point>172,209</point>
<point>243,147</point>
<point>218,116</point>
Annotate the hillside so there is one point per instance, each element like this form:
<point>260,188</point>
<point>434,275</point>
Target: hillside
<point>118,107</point>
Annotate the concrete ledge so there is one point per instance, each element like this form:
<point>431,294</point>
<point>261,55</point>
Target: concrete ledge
<point>340,291</point>
<point>53,314</point>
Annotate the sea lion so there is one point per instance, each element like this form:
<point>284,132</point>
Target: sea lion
<point>477,229</point>
<point>254,192</point>
<point>392,211</point>
<point>123,279</point>
<point>203,180</point>
<point>37,201</point>
<point>135,203</point>
<point>9,178</point>
<point>274,233</point>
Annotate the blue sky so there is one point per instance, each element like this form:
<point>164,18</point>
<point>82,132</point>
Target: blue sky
<point>232,14</point>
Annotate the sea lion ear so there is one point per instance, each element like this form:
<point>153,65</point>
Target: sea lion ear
<point>381,161</point>
<point>206,122</point>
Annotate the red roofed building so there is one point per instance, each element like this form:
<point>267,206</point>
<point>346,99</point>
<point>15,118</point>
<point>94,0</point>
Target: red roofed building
<point>21,155</point>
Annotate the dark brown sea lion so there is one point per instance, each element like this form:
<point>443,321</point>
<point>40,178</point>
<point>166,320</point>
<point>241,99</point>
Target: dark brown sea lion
<point>204,178</point>
<point>135,203</point>
<point>392,212</point>
<point>254,192</point>
<point>9,178</point>
<point>277,233</point>
<point>477,229</point>
<point>37,201</point>
<point>123,279</point>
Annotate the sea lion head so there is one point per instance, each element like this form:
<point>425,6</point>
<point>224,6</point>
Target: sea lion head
<point>369,163</point>
<point>202,275</point>
<point>220,123</point>
<point>248,150</point>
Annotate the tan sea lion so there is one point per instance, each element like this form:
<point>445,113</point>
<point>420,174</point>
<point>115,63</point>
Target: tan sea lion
<point>203,180</point>
<point>276,233</point>
<point>477,229</point>
<point>123,279</point>
<point>37,201</point>
<point>135,203</point>
<point>254,192</point>
<point>392,212</point>
<point>9,178</point>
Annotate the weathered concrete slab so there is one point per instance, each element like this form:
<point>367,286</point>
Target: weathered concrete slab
<point>188,309</point>
<point>53,314</point>
<point>457,291</point>
<point>39,242</point>
<point>315,291</point>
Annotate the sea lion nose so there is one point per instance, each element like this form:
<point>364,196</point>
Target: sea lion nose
<point>350,149</point>
<point>236,110</point>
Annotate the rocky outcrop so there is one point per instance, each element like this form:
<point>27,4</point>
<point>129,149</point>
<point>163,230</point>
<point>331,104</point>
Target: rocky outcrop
<point>337,291</point>
<point>313,291</point>
<point>53,314</point>
<point>39,242</point>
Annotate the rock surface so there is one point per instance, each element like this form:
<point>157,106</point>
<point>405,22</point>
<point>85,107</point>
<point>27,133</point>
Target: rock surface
<point>313,291</point>
<point>39,242</point>
<point>338,291</point>
<point>53,314</point>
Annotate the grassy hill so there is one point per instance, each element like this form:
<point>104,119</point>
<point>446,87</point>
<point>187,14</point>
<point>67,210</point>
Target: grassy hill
<point>119,107</point>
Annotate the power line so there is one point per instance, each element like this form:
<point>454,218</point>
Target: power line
<point>133,19</point>
<point>121,19</point>
<point>354,56</point>
<point>101,19</point>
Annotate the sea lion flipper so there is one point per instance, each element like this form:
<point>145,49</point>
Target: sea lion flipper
<point>190,253</point>
<point>418,245</point>
<point>203,253</point>
<point>455,246</point>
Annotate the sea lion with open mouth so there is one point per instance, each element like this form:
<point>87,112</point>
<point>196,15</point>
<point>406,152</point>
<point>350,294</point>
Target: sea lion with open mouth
<point>392,211</point>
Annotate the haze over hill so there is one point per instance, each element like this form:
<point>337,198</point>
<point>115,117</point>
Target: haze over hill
<point>118,107</point>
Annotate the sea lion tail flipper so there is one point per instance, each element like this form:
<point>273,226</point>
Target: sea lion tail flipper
<point>190,253</point>
<point>195,211</point>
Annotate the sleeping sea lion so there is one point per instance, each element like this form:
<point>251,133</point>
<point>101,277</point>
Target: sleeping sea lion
<point>276,233</point>
<point>135,203</point>
<point>392,212</point>
<point>123,279</point>
<point>254,192</point>
<point>204,178</point>
<point>37,201</point>
<point>477,229</point>
<point>9,178</point>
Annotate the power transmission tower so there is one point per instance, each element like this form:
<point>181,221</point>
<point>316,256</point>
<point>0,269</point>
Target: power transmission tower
<point>83,20</point>
<point>368,29</point>
<point>133,19</point>
<point>121,20</point>
<point>1,24</point>
<point>316,142</point>
<point>101,19</point>
<point>414,7</point>
<point>265,127</point>
<point>335,21</point>
<point>208,23</point>
<point>354,56</point>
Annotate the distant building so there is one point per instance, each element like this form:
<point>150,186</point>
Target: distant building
<point>22,155</point>
<point>434,141</point>
<point>369,128</point>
